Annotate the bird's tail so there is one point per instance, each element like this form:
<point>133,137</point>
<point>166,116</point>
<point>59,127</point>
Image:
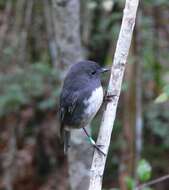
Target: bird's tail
<point>66,138</point>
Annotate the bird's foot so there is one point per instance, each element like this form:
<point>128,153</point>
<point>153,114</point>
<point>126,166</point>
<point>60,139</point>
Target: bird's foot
<point>108,97</point>
<point>97,147</point>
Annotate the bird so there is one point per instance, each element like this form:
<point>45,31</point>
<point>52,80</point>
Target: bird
<point>80,99</point>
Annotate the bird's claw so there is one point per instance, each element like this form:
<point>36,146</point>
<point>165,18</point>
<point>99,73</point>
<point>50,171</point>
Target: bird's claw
<point>98,148</point>
<point>109,97</point>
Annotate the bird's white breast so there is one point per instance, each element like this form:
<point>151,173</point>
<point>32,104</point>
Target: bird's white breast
<point>94,102</point>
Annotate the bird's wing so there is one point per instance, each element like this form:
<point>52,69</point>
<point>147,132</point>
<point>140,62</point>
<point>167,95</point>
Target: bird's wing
<point>68,102</point>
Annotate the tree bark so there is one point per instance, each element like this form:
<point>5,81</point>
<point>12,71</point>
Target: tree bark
<point>114,89</point>
<point>67,29</point>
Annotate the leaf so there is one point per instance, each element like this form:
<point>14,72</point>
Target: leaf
<point>161,98</point>
<point>131,184</point>
<point>144,170</point>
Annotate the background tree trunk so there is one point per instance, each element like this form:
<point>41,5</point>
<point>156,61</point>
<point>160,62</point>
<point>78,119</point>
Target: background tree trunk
<point>138,91</point>
<point>127,152</point>
<point>69,51</point>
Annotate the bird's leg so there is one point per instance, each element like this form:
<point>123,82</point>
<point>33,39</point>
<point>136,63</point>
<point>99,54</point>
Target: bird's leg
<point>93,142</point>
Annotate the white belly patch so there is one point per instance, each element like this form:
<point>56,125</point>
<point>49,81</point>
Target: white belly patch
<point>94,102</point>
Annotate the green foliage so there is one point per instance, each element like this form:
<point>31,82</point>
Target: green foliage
<point>146,188</point>
<point>161,98</point>
<point>130,182</point>
<point>36,84</point>
<point>157,121</point>
<point>12,99</point>
<point>164,96</point>
<point>2,3</point>
<point>143,173</point>
<point>157,2</point>
<point>144,170</point>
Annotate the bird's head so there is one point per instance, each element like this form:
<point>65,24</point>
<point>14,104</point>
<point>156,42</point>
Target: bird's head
<point>87,68</point>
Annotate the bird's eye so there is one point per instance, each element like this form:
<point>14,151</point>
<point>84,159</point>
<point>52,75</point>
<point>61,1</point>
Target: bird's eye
<point>93,72</point>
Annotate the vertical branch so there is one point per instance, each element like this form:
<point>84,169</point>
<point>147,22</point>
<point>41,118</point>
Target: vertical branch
<point>139,118</point>
<point>5,23</point>
<point>17,24</point>
<point>156,49</point>
<point>114,89</point>
<point>50,31</point>
<point>128,149</point>
<point>86,16</point>
<point>14,39</point>
<point>24,32</point>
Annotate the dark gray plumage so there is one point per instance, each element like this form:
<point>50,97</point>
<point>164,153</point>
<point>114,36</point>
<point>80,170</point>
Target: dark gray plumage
<point>81,97</point>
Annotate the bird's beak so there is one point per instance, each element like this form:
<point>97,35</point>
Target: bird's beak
<point>103,70</point>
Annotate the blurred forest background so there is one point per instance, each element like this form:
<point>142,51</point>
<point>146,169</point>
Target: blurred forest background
<point>38,41</point>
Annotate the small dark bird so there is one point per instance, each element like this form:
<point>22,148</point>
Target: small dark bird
<point>80,99</point>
